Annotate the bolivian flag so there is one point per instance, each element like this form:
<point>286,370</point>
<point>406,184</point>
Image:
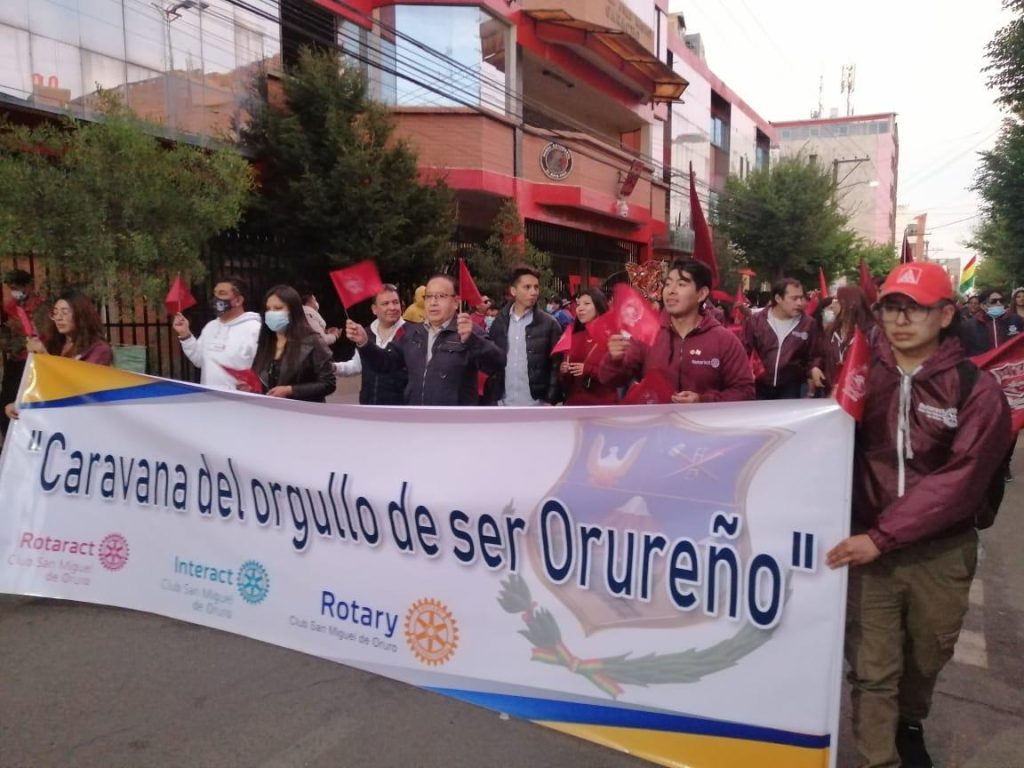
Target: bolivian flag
<point>967,275</point>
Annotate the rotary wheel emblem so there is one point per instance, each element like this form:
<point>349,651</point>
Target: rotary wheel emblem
<point>431,631</point>
<point>113,552</point>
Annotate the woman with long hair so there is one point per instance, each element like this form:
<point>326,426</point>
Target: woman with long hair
<point>579,367</point>
<point>76,332</point>
<point>291,359</point>
<point>841,319</point>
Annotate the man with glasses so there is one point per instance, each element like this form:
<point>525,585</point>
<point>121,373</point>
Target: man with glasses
<point>934,433</point>
<point>441,356</point>
<point>987,329</point>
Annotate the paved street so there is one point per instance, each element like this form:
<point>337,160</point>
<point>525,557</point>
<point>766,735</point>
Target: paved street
<point>90,686</point>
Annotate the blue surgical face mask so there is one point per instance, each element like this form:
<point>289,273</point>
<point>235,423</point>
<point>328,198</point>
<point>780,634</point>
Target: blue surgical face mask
<point>489,321</point>
<point>276,319</point>
<point>995,311</point>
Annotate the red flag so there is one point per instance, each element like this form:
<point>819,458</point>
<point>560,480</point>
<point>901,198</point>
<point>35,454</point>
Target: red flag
<point>906,252</point>
<point>603,326</point>
<point>756,366</point>
<point>739,301</point>
<point>1006,363</point>
<point>467,287</point>
<point>574,284</point>
<point>636,316</point>
<point>246,376</point>
<point>654,389</point>
<point>702,248</point>
<point>565,343</point>
<point>852,386</point>
<point>357,283</point>
<point>822,283</point>
<point>179,297</point>
<point>867,283</point>
<point>594,282</point>
<point>27,326</point>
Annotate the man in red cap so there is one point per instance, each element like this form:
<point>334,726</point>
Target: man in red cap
<point>934,434</point>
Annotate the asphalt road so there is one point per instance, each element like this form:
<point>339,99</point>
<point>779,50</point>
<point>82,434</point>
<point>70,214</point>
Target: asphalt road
<point>82,685</point>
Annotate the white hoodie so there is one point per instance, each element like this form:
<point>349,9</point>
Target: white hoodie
<point>231,343</point>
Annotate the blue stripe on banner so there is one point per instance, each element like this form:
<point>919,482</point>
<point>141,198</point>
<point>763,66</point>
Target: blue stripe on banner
<point>529,708</point>
<point>141,392</point>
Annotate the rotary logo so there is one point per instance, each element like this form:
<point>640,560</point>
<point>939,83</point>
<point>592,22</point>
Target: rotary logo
<point>431,631</point>
<point>253,582</point>
<point>113,552</point>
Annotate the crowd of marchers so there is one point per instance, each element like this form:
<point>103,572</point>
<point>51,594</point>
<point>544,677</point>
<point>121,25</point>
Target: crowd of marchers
<point>935,432</point>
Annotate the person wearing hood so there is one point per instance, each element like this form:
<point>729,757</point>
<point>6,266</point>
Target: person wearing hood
<point>417,311</point>
<point>934,433</point>
<point>988,328</point>
<point>702,359</point>
<point>229,340</point>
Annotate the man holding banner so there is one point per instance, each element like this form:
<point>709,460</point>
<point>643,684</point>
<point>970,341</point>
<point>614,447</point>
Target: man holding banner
<point>526,334</point>
<point>441,356</point>
<point>14,313</point>
<point>701,359</point>
<point>935,431</point>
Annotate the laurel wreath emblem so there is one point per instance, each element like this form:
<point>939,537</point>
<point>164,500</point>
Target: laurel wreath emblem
<point>612,672</point>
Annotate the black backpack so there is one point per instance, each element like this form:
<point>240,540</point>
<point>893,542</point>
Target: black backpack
<point>993,496</point>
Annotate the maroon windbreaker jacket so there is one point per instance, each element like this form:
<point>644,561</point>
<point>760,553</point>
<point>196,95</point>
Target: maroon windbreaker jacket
<point>709,361</point>
<point>923,464</point>
<point>800,352</point>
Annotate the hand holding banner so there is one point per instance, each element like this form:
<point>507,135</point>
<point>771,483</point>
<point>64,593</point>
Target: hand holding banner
<point>357,283</point>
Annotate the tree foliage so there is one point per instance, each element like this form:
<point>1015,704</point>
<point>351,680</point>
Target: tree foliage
<point>505,249</point>
<point>786,221</point>
<point>1005,53</point>
<point>337,186</point>
<point>881,260</point>
<point>110,208</point>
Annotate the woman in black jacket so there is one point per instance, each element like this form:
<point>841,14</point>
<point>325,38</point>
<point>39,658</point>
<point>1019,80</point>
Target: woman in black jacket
<point>291,359</point>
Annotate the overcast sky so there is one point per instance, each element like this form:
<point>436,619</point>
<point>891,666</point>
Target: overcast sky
<point>918,58</point>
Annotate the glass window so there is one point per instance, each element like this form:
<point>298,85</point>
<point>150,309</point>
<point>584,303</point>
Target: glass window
<point>467,68</point>
<point>55,19</point>
<point>102,28</point>
<point>883,126</point>
<point>56,73</point>
<point>145,36</point>
<point>15,63</point>
<point>720,133</point>
<point>15,13</point>
<point>100,72</point>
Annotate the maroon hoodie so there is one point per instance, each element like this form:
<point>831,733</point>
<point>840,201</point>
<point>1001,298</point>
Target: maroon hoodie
<point>792,363</point>
<point>922,464</point>
<point>709,361</point>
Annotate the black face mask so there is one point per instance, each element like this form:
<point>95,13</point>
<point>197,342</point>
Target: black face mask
<point>220,306</point>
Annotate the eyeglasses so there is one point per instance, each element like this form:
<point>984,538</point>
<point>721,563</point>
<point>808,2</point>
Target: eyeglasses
<point>912,313</point>
<point>995,300</point>
<point>437,296</point>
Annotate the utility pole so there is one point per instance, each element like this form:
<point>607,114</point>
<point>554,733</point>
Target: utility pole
<point>835,169</point>
<point>846,85</point>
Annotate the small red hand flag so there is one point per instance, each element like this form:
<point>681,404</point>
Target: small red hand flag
<point>852,387</point>
<point>27,326</point>
<point>867,283</point>
<point>822,283</point>
<point>653,390</point>
<point>356,283</point>
<point>565,343</point>
<point>467,287</point>
<point>703,250</point>
<point>636,316</point>
<point>246,376</point>
<point>179,297</point>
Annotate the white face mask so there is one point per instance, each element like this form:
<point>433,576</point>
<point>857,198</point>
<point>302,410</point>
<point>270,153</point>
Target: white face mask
<point>828,317</point>
<point>17,295</point>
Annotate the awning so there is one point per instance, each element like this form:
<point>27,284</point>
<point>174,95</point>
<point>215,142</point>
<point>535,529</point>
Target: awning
<point>613,50</point>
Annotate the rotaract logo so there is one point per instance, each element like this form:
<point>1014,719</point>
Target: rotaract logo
<point>431,631</point>
<point>113,552</point>
<point>253,582</point>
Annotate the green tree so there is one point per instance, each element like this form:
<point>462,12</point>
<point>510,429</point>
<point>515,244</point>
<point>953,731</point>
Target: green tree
<point>111,208</point>
<point>1005,68</point>
<point>505,249</point>
<point>786,221</point>
<point>881,259</point>
<point>337,186</point>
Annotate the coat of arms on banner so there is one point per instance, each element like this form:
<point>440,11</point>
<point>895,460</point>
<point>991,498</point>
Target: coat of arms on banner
<point>667,476</point>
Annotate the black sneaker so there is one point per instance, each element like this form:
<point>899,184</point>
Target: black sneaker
<point>910,745</point>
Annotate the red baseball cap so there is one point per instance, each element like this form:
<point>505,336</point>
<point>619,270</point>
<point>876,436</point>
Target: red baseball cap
<point>924,282</point>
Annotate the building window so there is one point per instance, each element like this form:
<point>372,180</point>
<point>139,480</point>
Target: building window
<point>761,158</point>
<point>719,133</point>
<point>466,65</point>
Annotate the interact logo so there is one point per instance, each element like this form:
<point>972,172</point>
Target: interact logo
<point>431,631</point>
<point>253,582</point>
<point>114,552</point>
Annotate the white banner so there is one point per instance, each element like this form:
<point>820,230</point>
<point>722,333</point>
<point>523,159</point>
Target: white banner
<point>649,577</point>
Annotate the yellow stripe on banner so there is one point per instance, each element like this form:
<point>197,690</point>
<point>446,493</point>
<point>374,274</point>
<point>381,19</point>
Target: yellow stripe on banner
<point>687,750</point>
<point>51,377</point>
